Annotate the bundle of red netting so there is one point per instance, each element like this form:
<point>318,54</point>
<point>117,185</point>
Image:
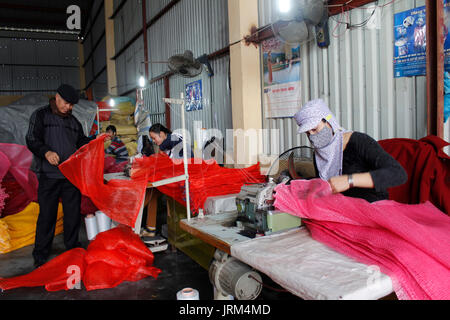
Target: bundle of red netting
<point>206,179</point>
<point>121,200</point>
<point>115,256</point>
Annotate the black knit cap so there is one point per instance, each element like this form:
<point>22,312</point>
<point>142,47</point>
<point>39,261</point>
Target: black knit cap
<point>68,93</point>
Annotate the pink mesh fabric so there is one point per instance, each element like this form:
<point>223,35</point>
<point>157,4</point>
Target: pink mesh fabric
<point>15,161</point>
<point>410,243</point>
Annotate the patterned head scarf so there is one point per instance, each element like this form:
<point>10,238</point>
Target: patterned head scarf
<point>329,157</point>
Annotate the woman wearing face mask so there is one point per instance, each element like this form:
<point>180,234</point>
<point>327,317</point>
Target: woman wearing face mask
<point>352,162</point>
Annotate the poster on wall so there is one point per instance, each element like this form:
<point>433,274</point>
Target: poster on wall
<point>281,72</point>
<point>194,96</point>
<point>446,37</point>
<point>410,41</point>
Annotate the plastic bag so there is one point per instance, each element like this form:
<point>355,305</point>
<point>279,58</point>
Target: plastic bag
<point>22,226</point>
<point>5,238</point>
<point>15,163</point>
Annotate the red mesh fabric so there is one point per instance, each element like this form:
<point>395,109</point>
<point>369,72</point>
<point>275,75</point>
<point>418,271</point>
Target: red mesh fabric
<point>16,178</point>
<point>54,275</point>
<point>121,199</point>
<point>206,179</point>
<point>407,242</point>
<point>87,206</point>
<point>114,256</point>
<point>112,167</point>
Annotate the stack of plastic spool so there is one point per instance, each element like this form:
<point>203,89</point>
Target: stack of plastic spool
<point>98,223</point>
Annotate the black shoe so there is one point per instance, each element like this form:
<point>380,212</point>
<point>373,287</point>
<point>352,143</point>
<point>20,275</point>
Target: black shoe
<point>38,263</point>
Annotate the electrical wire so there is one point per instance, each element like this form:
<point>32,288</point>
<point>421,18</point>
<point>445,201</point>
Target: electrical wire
<point>339,23</point>
<point>252,34</point>
<point>348,24</point>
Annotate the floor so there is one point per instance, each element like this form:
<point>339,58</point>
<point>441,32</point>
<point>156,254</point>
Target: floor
<point>178,272</point>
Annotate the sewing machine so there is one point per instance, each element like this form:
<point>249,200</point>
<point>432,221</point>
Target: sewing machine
<point>255,212</point>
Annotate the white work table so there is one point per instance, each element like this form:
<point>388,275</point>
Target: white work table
<point>294,260</point>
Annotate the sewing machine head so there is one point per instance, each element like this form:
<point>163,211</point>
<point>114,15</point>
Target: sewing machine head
<point>256,213</point>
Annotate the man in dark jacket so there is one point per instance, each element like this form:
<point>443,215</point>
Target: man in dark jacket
<point>54,134</point>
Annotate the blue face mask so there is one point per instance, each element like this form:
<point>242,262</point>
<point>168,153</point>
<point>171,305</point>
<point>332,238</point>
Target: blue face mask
<point>322,138</point>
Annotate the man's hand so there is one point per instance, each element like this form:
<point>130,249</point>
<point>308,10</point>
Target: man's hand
<point>52,158</point>
<point>339,184</point>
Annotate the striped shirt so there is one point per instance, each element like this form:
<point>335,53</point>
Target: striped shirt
<point>118,149</point>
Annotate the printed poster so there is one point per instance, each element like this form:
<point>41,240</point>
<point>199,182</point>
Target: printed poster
<point>446,37</point>
<point>194,96</point>
<point>282,85</point>
<point>410,41</point>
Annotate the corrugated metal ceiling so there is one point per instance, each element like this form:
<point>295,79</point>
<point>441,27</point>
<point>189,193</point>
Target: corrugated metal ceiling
<point>42,14</point>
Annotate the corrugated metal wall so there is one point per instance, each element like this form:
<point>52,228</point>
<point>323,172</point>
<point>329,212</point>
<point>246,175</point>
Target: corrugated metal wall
<point>197,25</point>
<point>95,62</point>
<point>202,27</point>
<point>128,65</point>
<point>355,76</point>
<point>36,63</point>
<point>153,96</point>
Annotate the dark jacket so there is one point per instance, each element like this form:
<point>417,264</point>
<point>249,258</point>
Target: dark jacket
<point>50,132</point>
<point>364,154</point>
<point>173,147</point>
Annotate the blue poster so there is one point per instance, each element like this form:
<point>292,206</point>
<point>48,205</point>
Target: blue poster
<point>410,41</point>
<point>446,38</point>
<point>194,96</point>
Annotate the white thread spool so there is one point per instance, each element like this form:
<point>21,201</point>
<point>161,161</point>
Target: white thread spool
<point>91,227</point>
<point>103,221</point>
<point>188,294</point>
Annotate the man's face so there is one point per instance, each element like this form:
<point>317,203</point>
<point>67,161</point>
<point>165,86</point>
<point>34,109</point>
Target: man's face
<point>62,105</point>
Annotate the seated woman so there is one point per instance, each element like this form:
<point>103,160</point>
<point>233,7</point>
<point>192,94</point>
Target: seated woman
<point>352,162</point>
<point>168,142</point>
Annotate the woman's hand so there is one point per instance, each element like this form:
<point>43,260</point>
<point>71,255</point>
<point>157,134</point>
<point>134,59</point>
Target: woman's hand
<point>339,184</point>
<point>360,180</point>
